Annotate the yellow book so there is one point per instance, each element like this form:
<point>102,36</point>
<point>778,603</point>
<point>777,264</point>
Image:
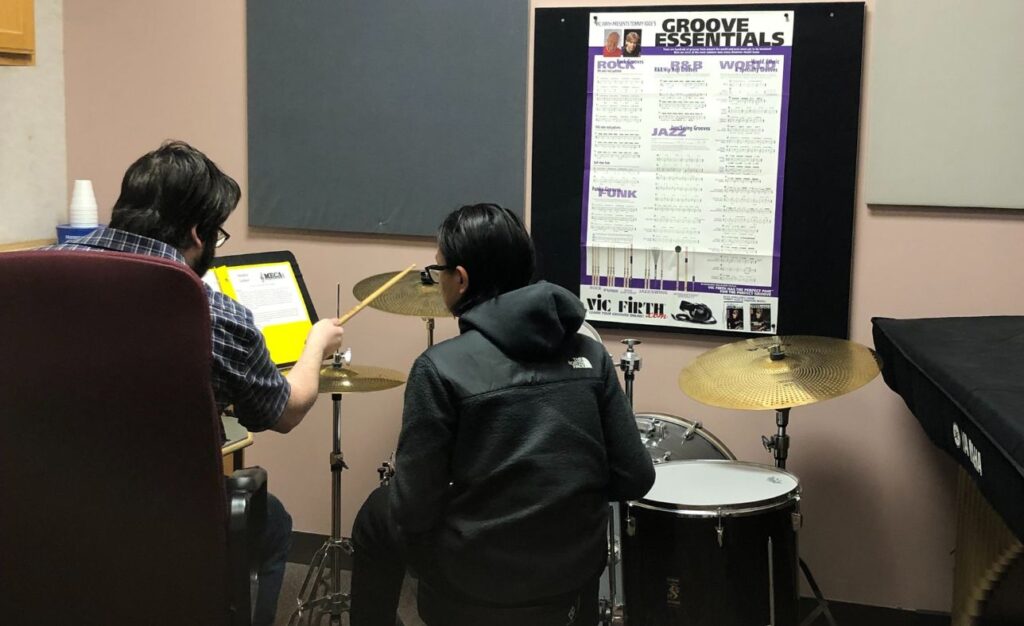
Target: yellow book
<point>272,293</point>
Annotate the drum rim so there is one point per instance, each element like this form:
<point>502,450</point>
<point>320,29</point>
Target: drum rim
<point>703,432</point>
<point>732,510</point>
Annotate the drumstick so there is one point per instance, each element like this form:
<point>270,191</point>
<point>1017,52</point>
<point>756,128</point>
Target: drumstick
<point>373,296</point>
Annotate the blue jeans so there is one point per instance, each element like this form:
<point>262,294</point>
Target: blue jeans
<point>273,555</point>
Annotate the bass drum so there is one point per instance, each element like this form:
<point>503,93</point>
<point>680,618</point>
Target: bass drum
<point>673,438</point>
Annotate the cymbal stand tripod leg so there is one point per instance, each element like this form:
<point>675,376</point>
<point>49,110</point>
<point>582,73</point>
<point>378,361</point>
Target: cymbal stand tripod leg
<point>320,596</point>
<point>822,608</point>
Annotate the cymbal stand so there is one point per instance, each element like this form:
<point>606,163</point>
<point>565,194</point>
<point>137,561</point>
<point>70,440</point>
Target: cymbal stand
<point>430,330</point>
<point>630,363</point>
<point>612,611</point>
<point>320,595</point>
<point>778,444</point>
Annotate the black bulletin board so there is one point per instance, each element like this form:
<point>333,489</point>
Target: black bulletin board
<point>820,166</point>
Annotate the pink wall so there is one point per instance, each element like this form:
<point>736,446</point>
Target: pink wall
<point>878,500</point>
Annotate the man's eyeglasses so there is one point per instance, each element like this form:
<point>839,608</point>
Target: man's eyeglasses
<point>222,237</point>
<point>431,274</point>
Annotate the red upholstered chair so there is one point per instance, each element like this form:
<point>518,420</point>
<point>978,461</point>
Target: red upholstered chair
<point>112,497</point>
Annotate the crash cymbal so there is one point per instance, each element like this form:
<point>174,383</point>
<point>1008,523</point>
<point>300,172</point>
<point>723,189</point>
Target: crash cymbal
<point>744,375</point>
<point>358,379</point>
<point>409,296</point>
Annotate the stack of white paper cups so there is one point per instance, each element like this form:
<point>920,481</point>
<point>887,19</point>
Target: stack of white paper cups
<point>83,212</point>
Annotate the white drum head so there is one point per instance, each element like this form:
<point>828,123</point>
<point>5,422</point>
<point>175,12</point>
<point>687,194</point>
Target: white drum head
<point>706,485</point>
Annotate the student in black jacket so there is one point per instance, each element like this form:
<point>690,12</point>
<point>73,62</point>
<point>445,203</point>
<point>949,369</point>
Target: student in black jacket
<point>515,436</point>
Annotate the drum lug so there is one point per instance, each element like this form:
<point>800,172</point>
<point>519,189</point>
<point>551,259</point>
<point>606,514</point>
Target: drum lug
<point>720,530</point>
<point>798,521</point>
<point>630,525</point>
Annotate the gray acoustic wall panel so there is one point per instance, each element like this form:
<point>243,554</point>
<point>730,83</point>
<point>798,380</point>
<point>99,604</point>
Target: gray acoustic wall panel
<point>945,87</point>
<point>381,116</point>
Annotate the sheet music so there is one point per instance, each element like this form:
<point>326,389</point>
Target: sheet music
<point>270,292</point>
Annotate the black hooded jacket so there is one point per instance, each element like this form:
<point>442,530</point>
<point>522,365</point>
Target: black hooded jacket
<point>515,435</point>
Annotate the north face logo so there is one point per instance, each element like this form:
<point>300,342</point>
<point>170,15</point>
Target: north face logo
<point>580,363</point>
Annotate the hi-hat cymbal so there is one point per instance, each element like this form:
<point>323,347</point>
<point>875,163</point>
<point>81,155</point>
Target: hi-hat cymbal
<point>743,375</point>
<point>409,296</point>
<point>358,379</point>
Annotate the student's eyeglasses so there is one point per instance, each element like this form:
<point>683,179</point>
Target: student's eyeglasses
<point>431,274</point>
<point>222,237</point>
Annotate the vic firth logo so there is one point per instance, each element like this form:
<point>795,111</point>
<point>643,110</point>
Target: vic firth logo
<point>580,363</point>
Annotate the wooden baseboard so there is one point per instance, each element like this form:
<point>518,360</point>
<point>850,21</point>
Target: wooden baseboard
<point>26,245</point>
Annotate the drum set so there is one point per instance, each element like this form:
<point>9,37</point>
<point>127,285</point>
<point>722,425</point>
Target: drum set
<point>714,542</point>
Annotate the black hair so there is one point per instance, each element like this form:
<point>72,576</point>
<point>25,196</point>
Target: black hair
<point>491,243</point>
<point>167,192</point>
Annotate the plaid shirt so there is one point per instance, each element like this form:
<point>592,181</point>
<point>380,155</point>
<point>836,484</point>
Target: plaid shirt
<point>243,374</point>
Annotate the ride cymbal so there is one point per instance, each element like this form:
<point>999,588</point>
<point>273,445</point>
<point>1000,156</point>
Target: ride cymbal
<point>358,379</point>
<point>409,296</point>
<point>778,372</point>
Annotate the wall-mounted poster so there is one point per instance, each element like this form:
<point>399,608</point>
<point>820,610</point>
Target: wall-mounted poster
<point>685,156</point>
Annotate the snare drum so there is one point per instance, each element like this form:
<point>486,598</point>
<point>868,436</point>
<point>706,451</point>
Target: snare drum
<point>672,438</point>
<point>713,543</point>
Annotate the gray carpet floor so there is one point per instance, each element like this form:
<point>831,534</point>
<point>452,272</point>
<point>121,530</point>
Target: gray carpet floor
<point>296,572</point>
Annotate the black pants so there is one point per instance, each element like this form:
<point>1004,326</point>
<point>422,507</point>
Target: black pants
<point>380,561</point>
<point>378,564</point>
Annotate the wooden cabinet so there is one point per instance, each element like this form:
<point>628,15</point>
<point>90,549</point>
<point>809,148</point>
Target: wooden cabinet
<point>17,32</point>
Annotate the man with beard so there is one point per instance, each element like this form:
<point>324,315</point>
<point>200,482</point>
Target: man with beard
<point>173,204</point>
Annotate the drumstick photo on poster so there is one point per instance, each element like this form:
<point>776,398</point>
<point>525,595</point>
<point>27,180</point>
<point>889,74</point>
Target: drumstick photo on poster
<point>647,269</point>
<point>678,250</point>
<point>686,269</point>
<point>608,269</point>
<point>629,277</point>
